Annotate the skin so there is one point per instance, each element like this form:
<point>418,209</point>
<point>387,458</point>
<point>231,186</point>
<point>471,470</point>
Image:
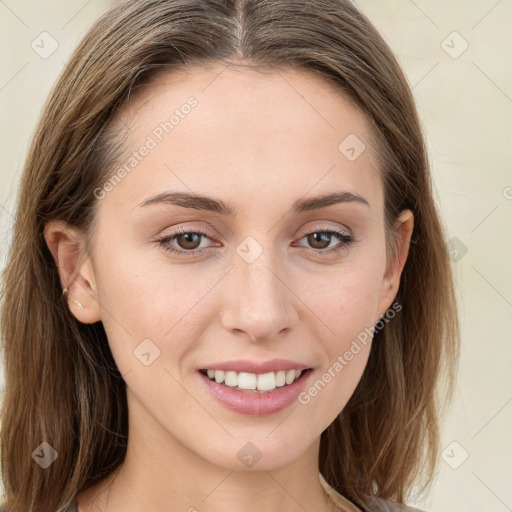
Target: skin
<point>258,141</point>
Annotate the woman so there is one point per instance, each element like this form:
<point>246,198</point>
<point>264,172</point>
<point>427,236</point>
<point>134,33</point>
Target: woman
<point>228,287</point>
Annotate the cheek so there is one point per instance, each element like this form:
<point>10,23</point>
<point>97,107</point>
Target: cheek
<point>138,286</point>
<point>347,300</point>
<point>348,307</point>
<point>144,297</point>
<point>347,303</point>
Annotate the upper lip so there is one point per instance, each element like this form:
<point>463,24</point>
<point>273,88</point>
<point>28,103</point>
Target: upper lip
<point>243,365</point>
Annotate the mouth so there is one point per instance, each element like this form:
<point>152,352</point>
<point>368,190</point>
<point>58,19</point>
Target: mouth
<point>273,397</point>
<point>255,387</point>
<point>256,383</point>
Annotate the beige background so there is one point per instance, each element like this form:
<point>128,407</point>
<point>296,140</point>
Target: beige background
<point>466,104</point>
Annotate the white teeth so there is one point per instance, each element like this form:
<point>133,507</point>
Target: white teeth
<point>231,379</point>
<point>246,380</point>
<point>280,378</point>
<point>266,381</point>
<point>255,382</point>
<point>290,376</point>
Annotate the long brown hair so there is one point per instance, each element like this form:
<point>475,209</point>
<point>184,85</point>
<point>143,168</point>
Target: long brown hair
<point>62,385</point>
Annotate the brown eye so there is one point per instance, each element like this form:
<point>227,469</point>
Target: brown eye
<point>183,242</point>
<point>189,241</point>
<point>319,239</point>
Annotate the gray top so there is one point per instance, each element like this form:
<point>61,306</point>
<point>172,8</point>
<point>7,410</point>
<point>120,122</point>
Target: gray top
<point>374,504</point>
<point>379,505</point>
<point>73,507</point>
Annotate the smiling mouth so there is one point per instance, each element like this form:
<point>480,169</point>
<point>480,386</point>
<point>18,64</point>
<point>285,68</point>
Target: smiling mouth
<point>255,383</point>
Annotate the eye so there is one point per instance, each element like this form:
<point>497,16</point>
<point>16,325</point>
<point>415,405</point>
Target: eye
<point>320,240</point>
<point>185,240</point>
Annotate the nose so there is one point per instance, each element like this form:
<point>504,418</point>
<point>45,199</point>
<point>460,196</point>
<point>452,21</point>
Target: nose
<point>258,301</point>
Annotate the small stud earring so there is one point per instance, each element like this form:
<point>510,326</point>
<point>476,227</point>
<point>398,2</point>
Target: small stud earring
<point>65,291</point>
<point>79,304</point>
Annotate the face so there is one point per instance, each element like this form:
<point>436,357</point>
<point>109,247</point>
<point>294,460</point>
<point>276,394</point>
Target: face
<point>254,268</point>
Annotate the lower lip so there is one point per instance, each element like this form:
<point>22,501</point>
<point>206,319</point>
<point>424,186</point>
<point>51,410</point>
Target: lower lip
<point>256,404</point>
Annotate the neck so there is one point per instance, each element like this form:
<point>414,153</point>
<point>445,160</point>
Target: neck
<point>162,475</point>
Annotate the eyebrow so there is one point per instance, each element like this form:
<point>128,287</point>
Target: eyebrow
<point>199,202</point>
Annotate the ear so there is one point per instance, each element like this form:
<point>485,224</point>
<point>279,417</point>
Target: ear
<point>402,232</point>
<point>76,271</point>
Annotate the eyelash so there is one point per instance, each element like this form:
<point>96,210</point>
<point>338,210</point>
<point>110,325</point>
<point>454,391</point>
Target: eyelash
<point>345,239</point>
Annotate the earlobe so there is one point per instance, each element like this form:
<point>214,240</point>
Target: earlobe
<point>76,272</point>
<point>403,229</point>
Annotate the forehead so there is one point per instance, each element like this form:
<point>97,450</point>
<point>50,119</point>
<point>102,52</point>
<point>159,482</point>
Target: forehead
<point>227,91</point>
<point>289,131</point>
